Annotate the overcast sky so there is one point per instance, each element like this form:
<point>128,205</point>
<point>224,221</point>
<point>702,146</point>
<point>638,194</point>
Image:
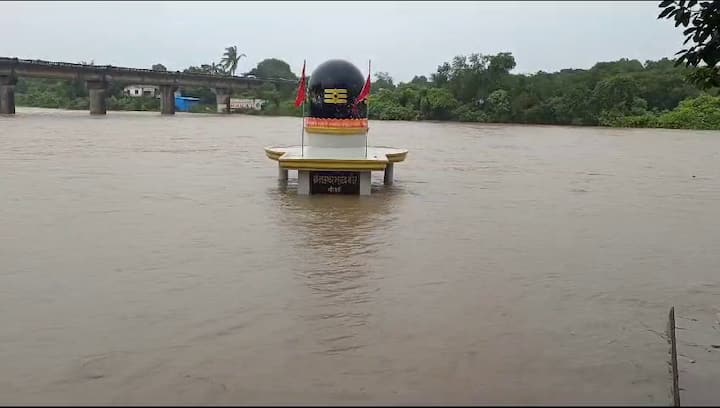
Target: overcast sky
<point>401,38</point>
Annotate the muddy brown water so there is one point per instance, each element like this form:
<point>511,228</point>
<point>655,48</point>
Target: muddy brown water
<point>157,260</point>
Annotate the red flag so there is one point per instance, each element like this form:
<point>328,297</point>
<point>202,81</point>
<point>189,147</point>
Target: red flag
<point>302,91</point>
<point>365,90</point>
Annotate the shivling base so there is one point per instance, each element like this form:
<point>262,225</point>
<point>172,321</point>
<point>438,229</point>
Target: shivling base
<point>335,171</point>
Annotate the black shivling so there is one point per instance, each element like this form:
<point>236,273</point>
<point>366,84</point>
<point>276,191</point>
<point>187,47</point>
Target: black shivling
<point>332,90</point>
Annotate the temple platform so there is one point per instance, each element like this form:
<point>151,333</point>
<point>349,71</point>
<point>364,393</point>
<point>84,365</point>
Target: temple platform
<point>339,166</point>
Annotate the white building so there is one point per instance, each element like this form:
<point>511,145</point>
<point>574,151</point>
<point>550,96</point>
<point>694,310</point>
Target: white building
<point>141,90</point>
<point>241,103</point>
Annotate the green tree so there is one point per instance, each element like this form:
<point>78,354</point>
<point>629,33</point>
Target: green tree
<point>277,69</point>
<point>159,67</point>
<point>269,92</point>
<point>663,85</point>
<point>621,66</point>
<point>438,104</point>
<point>703,19</point>
<point>273,68</point>
<point>420,80</point>
<point>231,58</point>
<point>469,113</point>
<point>499,106</point>
<point>617,95</point>
<point>501,64</point>
<point>408,96</point>
<point>573,108</point>
<point>383,80</point>
<point>473,78</point>
<point>442,76</point>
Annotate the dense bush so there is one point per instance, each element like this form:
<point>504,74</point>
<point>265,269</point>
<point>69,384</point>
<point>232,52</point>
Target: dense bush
<point>702,112</point>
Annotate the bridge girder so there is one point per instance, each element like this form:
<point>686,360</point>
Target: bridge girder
<point>13,67</point>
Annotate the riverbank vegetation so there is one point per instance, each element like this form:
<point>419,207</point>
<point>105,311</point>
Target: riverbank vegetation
<point>474,88</point>
<point>479,88</point>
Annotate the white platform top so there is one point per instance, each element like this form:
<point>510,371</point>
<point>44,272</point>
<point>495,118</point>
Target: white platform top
<point>373,153</point>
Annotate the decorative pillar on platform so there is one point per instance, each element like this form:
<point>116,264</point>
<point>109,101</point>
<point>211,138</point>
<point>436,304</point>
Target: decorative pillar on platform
<point>7,95</point>
<point>282,173</point>
<point>388,177</point>
<point>303,182</point>
<point>98,97</point>
<point>365,183</point>
<point>167,99</point>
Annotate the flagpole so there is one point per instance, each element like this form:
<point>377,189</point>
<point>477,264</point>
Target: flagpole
<point>367,111</point>
<point>302,137</point>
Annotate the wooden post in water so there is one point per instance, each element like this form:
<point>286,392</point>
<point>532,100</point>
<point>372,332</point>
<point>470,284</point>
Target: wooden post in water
<point>673,357</point>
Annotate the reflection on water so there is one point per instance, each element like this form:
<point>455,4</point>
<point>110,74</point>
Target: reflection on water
<point>148,259</point>
<point>338,235</point>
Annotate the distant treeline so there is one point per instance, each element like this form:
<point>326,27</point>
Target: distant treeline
<point>475,88</point>
<point>481,89</point>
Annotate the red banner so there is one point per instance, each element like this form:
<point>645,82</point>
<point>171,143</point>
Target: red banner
<point>365,90</point>
<point>302,90</point>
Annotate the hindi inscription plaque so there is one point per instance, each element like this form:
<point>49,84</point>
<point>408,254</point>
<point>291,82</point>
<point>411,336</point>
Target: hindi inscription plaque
<point>334,182</point>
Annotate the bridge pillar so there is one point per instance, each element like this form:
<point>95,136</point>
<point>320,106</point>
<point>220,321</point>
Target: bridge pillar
<point>167,99</point>
<point>222,96</point>
<point>98,97</point>
<point>7,95</point>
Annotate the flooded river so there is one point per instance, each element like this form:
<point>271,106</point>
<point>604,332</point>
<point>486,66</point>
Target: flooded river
<point>157,260</point>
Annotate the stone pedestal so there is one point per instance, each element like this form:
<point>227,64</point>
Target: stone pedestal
<point>167,99</point>
<point>98,97</point>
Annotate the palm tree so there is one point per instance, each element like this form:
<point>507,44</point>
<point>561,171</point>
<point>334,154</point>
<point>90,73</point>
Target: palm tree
<point>231,58</point>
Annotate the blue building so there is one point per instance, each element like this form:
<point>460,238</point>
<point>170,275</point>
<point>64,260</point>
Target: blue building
<point>185,103</point>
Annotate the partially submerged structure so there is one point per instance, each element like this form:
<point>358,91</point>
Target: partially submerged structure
<point>333,156</point>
